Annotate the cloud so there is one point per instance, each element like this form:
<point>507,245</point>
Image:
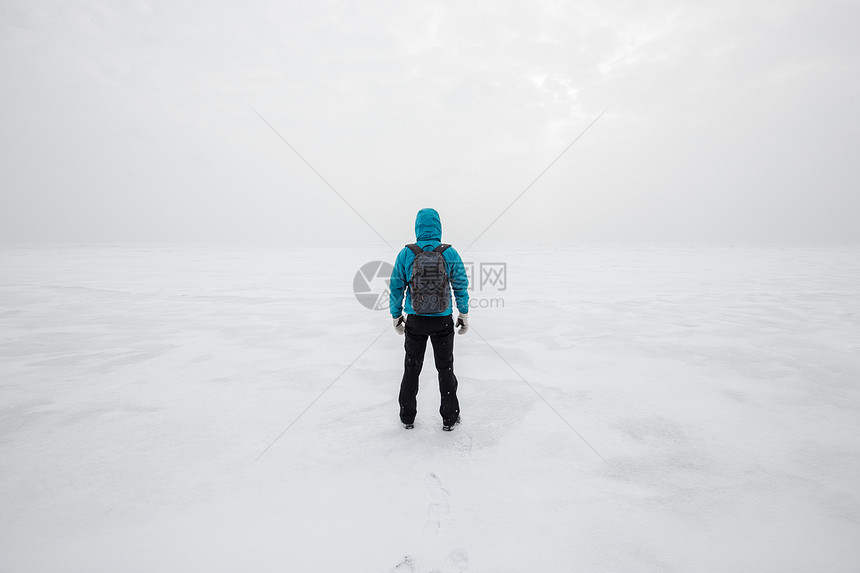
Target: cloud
<point>134,120</point>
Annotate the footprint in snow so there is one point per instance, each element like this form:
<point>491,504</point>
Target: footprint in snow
<point>405,566</point>
<point>438,509</point>
<point>457,562</point>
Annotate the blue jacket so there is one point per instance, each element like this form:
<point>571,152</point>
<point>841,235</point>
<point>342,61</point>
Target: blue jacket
<point>428,234</point>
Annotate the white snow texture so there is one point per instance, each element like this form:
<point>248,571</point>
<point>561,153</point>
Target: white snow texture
<point>718,385</point>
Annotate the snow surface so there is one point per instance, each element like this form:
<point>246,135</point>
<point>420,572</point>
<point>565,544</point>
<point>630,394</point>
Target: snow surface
<point>719,386</point>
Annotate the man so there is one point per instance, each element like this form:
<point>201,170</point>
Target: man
<point>427,271</point>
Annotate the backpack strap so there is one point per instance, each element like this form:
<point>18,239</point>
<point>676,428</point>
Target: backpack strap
<point>416,249</point>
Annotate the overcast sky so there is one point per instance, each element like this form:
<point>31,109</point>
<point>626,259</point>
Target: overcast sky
<point>727,120</point>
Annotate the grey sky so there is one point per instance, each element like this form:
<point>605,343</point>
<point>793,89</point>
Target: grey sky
<point>132,121</point>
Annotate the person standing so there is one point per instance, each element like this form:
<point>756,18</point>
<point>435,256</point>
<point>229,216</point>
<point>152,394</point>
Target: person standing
<point>427,271</point>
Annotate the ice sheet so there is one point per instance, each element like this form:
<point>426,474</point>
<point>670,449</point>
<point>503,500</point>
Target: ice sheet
<point>718,386</point>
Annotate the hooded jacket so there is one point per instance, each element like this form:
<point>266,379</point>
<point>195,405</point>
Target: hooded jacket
<point>428,235</point>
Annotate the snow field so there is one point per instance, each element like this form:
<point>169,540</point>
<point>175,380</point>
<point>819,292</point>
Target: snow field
<point>139,385</point>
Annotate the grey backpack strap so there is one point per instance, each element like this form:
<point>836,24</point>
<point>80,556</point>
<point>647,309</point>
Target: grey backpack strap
<point>441,248</point>
<point>415,248</point>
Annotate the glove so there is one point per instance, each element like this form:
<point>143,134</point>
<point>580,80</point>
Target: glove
<point>463,323</point>
<point>399,324</point>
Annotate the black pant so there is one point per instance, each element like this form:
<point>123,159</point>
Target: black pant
<point>440,330</point>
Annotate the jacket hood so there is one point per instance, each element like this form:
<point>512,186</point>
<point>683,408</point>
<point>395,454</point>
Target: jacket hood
<point>428,225</point>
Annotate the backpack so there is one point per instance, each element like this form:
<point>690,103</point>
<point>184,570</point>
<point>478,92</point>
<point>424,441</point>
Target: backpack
<point>430,285</point>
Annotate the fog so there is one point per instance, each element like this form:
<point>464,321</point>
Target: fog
<point>660,371</point>
<point>726,122</point>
